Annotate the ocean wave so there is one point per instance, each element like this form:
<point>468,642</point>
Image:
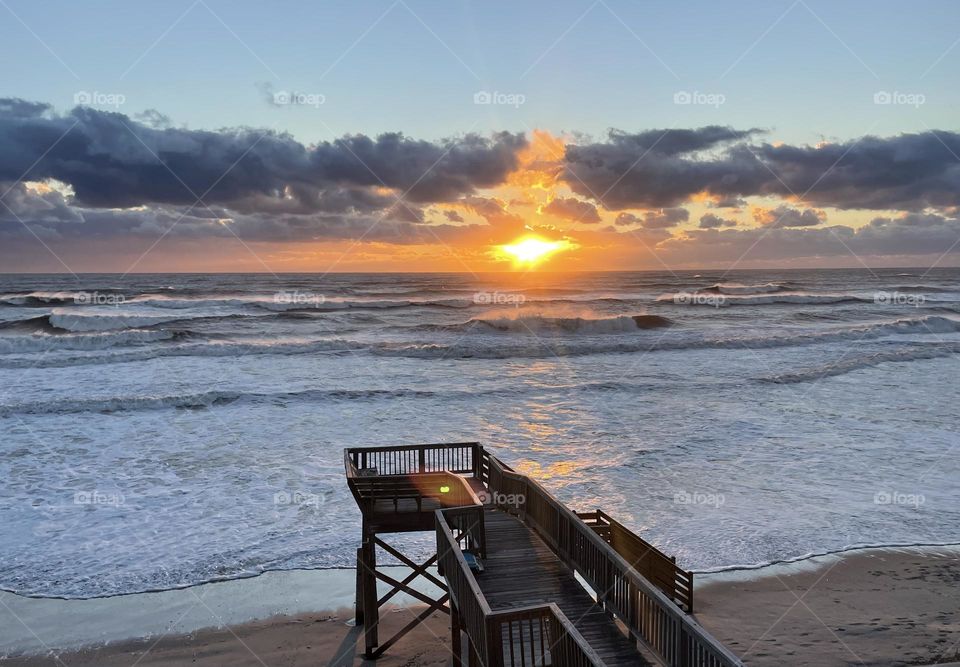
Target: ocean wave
<point>118,320</point>
<point>724,300</point>
<point>485,347</point>
<point>42,298</point>
<point>292,300</point>
<point>739,288</point>
<point>202,400</point>
<point>532,324</point>
<point>44,342</point>
<point>844,366</point>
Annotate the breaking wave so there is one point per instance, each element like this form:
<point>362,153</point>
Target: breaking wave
<point>845,366</point>
<point>532,324</point>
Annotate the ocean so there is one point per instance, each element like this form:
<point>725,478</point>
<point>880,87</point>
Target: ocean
<point>159,431</point>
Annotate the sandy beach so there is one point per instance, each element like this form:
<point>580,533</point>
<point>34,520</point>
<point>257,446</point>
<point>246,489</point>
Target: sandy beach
<point>869,607</point>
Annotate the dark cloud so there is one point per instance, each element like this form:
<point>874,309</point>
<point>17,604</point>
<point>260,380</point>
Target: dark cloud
<point>111,160</point>
<point>711,221</point>
<point>665,218</point>
<point>35,203</point>
<point>905,172</point>
<point>572,209</point>
<point>785,216</point>
<point>493,211</point>
<point>660,219</point>
<point>661,168</point>
<point>453,216</point>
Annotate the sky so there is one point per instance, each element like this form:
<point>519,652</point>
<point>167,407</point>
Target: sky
<point>208,135</point>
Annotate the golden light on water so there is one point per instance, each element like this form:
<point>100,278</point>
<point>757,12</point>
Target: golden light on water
<point>532,250</point>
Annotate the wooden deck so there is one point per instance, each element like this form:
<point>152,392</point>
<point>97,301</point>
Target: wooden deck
<point>557,589</point>
<point>521,571</point>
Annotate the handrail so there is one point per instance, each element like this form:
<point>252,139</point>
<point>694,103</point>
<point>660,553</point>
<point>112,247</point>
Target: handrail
<point>465,593</point>
<point>651,617</point>
<point>656,567</point>
<point>455,457</point>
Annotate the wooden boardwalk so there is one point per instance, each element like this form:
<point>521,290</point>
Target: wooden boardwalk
<point>521,570</point>
<point>526,581</point>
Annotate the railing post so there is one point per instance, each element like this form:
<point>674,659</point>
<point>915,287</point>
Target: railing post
<point>494,647</point>
<point>423,459</point>
<point>456,640</point>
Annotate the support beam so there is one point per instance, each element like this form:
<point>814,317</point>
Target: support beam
<point>368,605</point>
<point>371,612</point>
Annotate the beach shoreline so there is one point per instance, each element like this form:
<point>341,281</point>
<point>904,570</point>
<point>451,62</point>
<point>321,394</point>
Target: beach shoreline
<point>873,606</point>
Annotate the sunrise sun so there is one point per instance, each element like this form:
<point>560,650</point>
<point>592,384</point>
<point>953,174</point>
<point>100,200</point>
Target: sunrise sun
<point>532,250</point>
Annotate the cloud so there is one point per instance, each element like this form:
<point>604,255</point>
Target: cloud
<point>493,210</point>
<point>111,160</point>
<point>711,221</point>
<point>36,202</point>
<point>659,219</point>
<point>665,218</point>
<point>573,209</point>
<point>657,169</point>
<point>910,235</point>
<point>92,176</point>
<point>666,168</point>
<point>785,216</point>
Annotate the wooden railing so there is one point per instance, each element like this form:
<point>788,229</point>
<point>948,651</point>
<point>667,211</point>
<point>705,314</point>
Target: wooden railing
<point>534,636</point>
<point>458,457</point>
<point>656,567</point>
<point>649,615</point>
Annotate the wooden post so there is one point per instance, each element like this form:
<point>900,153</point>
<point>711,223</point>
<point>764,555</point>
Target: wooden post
<point>371,612</point>
<point>358,599</point>
<point>423,460</point>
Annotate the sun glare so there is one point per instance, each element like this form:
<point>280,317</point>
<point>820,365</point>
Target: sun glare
<point>532,250</point>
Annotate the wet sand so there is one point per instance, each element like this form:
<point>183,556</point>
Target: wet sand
<point>874,607</point>
<point>288,641</point>
<point>869,607</point>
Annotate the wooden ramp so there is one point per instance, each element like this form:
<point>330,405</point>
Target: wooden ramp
<point>520,570</point>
